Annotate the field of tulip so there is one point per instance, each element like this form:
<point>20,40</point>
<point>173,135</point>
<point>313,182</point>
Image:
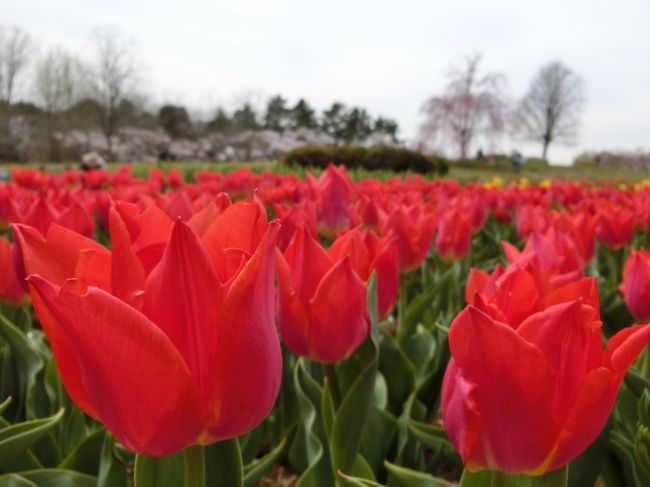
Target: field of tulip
<point>248,329</point>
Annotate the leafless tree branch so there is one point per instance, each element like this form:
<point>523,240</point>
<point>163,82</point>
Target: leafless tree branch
<point>15,50</point>
<point>550,110</point>
<point>472,104</point>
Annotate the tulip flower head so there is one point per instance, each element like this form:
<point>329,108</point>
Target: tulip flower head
<point>334,191</point>
<point>369,253</point>
<point>11,289</point>
<point>531,399</point>
<point>454,235</point>
<point>615,225</point>
<point>321,303</point>
<point>414,228</point>
<point>636,284</point>
<point>168,339</point>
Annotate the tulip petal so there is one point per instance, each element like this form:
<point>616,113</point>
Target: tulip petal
<point>624,347</point>
<point>636,284</point>
<point>570,340</point>
<point>585,288</point>
<point>338,311</point>
<point>128,277</point>
<point>293,319</point>
<point>54,257</point>
<point>309,263</point>
<point>351,244</point>
<point>154,227</point>
<point>94,268</point>
<point>64,353</point>
<point>594,401</point>
<point>11,289</point>
<point>240,226</point>
<point>516,295</point>
<point>180,206</point>
<point>514,383</point>
<point>386,265</point>
<point>202,220</point>
<point>140,389</point>
<point>248,358</point>
<point>182,295</point>
<point>476,283</point>
<point>461,415</point>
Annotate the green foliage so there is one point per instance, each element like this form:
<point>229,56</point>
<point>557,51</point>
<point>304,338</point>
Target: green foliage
<point>175,121</point>
<point>371,159</point>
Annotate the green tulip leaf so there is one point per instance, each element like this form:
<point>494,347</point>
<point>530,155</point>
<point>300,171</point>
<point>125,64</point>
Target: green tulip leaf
<point>586,468</point>
<point>19,461</point>
<point>397,370</point>
<point>431,435</point>
<point>20,436</point>
<point>351,481</point>
<point>86,456</point>
<point>350,418</point>
<point>405,477</point>
<point>112,470</point>
<point>25,364</point>
<point>48,477</point>
<point>378,437</point>
<point>253,472</point>
<point>407,446</point>
<point>309,454</point>
<point>5,404</point>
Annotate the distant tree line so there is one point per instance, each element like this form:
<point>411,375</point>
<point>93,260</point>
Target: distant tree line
<point>344,124</point>
<point>49,97</point>
<point>54,105</point>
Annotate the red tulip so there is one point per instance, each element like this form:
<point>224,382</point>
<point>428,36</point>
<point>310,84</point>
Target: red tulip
<point>615,225</point>
<point>636,284</point>
<point>334,191</point>
<point>322,302</point>
<point>555,252</point>
<point>167,342</point>
<point>454,235</point>
<point>582,227</point>
<point>368,253</point>
<point>530,218</point>
<point>511,295</point>
<point>414,228</point>
<point>303,215</point>
<point>11,289</point>
<point>79,219</point>
<point>531,400</point>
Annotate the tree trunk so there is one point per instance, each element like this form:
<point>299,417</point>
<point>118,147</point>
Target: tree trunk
<point>545,149</point>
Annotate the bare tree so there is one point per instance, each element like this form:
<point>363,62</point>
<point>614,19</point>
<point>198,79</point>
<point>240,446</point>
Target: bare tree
<point>471,105</point>
<point>58,79</point>
<point>57,85</point>
<point>15,49</point>
<point>551,109</point>
<point>112,78</point>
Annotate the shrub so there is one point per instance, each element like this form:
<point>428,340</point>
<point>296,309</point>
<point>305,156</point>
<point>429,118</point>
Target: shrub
<point>371,159</point>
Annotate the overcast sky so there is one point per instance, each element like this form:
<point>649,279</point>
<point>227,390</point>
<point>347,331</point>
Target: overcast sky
<point>387,56</point>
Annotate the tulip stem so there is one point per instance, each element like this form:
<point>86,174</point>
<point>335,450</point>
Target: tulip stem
<point>335,391</point>
<point>558,477</point>
<point>498,479</point>
<point>195,466</point>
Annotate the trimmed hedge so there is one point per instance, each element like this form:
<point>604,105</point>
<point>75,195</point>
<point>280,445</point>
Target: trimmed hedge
<point>371,159</point>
